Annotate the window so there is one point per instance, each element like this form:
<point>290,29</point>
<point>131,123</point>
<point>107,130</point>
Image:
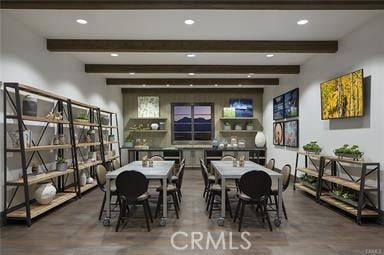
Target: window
<point>192,122</point>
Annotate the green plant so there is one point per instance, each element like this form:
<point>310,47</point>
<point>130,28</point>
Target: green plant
<point>60,160</point>
<point>312,146</point>
<point>82,116</point>
<point>345,193</point>
<point>129,138</point>
<point>249,123</point>
<point>352,150</point>
<point>227,124</point>
<point>307,178</point>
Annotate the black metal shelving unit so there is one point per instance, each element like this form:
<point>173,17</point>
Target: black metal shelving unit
<point>112,127</point>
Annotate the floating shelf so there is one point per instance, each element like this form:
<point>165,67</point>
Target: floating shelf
<point>38,209</point>
<point>346,183</point>
<point>309,171</point>
<point>347,207</point>
<point>158,118</point>
<point>33,179</point>
<point>238,118</point>
<point>306,189</point>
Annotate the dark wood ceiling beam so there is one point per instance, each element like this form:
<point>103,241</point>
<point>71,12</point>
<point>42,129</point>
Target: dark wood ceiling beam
<point>76,45</point>
<point>162,82</point>
<point>195,4</point>
<point>243,69</point>
<point>221,89</point>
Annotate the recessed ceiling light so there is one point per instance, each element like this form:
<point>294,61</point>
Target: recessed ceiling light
<point>132,73</point>
<point>189,22</point>
<point>114,55</point>
<point>270,55</point>
<point>81,21</point>
<point>302,22</point>
<point>240,85</point>
<point>191,74</point>
<point>216,85</point>
<point>167,85</point>
<point>144,85</point>
<point>190,85</point>
<point>191,55</point>
<point>249,75</point>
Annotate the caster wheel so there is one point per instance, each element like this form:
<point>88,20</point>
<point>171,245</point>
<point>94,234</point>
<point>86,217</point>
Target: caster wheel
<point>107,222</point>
<point>163,222</point>
<point>220,222</point>
<point>277,222</point>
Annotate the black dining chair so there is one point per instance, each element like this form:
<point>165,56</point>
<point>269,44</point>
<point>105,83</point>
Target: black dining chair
<point>207,178</point>
<point>255,188</point>
<point>101,177</point>
<point>286,172</point>
<point>177,180</point>
<point>132,187</point>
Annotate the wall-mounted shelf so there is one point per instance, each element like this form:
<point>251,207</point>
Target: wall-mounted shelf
<point>239,131</point>
<point>238,118</point>
<point>159,118</point>
<point>147,131</point>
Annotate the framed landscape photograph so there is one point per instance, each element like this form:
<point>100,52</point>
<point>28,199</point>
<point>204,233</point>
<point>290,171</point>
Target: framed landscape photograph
<point>291,103</point>
<point>243,107</point>
<point>291,133</point>
<point>278,108</point>
<point>278,133</point>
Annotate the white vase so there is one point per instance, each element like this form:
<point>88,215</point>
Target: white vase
<point>154,126</point>
<point>260,140</point>
<point>89,180</point>
<point>45,193</point>
<point>83,179</point>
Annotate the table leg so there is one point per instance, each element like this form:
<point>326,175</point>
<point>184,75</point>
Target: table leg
<point>163,220</point>
<point>279,202</point>
<point>220,221</point>
<point>107,219</point>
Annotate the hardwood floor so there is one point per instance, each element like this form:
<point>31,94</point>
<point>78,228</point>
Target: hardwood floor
<point>74,229</point>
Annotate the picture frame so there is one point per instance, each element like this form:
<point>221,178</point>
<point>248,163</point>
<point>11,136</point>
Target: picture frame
<point>291,133</point>
<point>278,108</point>
<point>291,104</point>
<point>243,107</point>
<point>148,106</point>
<point>278,133</point>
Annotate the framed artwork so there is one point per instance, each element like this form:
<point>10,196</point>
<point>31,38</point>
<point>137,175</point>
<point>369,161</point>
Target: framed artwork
<point>148,107</point>
<point>278,133</point>
<point>343,97</point>
<point>243,107</point>
<point>291,133</point>
<point>229,112</point>
<point>291,103</point>
<point>278,108</point>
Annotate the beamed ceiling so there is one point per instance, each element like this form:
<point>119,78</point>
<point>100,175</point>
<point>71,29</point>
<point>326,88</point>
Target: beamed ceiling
<point>232,44</point>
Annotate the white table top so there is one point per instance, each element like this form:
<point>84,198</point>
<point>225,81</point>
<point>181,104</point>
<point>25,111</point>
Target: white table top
<point>227,170</point>
<point>160,169</point>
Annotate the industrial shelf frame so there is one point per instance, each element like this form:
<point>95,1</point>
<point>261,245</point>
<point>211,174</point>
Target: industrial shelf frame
<point>112,125</point>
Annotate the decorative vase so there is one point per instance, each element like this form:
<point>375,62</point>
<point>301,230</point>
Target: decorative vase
<point>260,140</point>
<point>162,125</point>
<point>90,180</point>
<point>83,179</point>
<point>238,127</point>
<point>61,166</point>
<point>45,193</point>
<point>154,126</point>
<point>30,106</point>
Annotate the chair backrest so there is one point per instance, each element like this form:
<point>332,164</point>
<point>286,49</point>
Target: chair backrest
<point>271,164</point>
<point>156,158</point>
<point>286,172</point>
<point>204,172</point>
<point>228,158</point>
<point>181,175</point>
<point>182,161</point>
<point>131,184</point>
<point>255,184</point>
<point>116,164</point>
<point>101,176</point>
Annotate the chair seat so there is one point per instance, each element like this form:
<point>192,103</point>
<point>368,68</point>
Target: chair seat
<point>212,178</point>
<point>143,197</point>
<point>174,178</point>
<point>170,187</point>
<point>217,187</point>
<point>245,197</point>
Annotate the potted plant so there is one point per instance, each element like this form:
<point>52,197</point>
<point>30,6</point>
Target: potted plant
<point>346,195</point>
<point>309,181</point>
<point>347,151</point>
<point>61,164</point>
<point>105,120</point>
<point>238,127</point>
<point>249,125</point>
<point>129,141</point>
<point>82,117</point>
<point>312,147</point>
<point>111,138</point>
<point>227,126</point>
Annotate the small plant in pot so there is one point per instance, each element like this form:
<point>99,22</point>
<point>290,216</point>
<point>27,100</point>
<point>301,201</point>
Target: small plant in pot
<point>129,141</point>
<point>312,147</point>
<point>111,138</point>
<point>346,195</point>
<point>249,125</point>
<point>82,117</point>
<point>61,164</point>
<point>349,152</point>
<point>227,126</point>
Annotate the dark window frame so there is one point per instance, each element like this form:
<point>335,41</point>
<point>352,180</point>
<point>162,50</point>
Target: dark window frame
<point>193,141</point>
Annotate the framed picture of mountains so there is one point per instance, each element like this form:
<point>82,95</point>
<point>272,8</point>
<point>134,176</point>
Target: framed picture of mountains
<point>243,107</point>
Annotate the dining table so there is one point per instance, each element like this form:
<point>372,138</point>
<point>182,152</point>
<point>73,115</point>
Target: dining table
<point>226,170</point>
<point>161,170</point>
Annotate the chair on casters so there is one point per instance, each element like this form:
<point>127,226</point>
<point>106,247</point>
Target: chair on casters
<point>208,179</point>
<point>171,191</point>
<point>116,164</point>
<point>101,177</point>
<point>255,188</point>
<point>286,172</point>
<point>177,180</point>
<point>132,187</point>
<point>271,164</point>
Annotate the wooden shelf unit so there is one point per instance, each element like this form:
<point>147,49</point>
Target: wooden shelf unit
<point>113,128</point>
<point>365,206</point>
<point>33,179</point>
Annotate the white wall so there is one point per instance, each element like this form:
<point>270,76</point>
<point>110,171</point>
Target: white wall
<point>24,59</point>
<point>364,48</point>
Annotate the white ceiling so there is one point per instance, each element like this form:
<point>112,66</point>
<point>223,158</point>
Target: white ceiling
<point>210,25</point>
